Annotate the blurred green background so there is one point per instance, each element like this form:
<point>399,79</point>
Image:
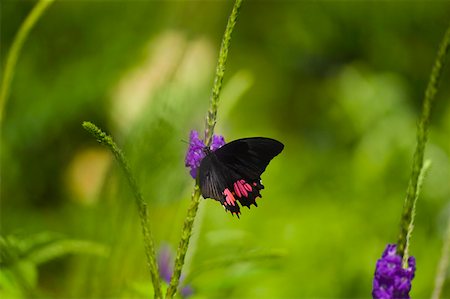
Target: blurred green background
<point>339,83</point>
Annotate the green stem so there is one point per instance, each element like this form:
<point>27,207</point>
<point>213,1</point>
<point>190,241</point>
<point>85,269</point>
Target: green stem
<point>211,119</point>
<point>184,242</point>
<point>407,219</point>
<point>443,265</point>
<point>16,47</point>
<point>142,206</point>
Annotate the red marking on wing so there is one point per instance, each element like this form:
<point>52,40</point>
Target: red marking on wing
<point>229,198</point>
<point>236,189</point>
<point>241,193</point>
<point>247,185</point>
<point>242,188</point>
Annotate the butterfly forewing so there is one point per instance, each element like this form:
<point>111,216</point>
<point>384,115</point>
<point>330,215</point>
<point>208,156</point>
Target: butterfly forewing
<point>232,173</point>
<point>249,156</point>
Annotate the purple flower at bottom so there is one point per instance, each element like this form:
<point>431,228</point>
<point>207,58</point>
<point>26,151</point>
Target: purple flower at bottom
<point>391,280</point>
<point>196,151</point>
<point>165,262</point>
<point>186,291</point>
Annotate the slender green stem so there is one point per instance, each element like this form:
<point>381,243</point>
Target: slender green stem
<point>142,206</point>
<point>444,263</point>
<point>184,242</point>
<point>211,119</point>
<point>16,47</point>
<point>407,219</point>
<point>422,174</point>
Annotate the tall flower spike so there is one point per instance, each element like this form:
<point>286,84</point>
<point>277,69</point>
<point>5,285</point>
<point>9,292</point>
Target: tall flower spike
<point>196,153</point>
<point>391,280</point>
<point>211,119</point>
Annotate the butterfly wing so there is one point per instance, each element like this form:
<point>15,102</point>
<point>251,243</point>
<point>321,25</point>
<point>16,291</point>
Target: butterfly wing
<point>249,157</point>
<point>233,172</point>
<point>214,178</point>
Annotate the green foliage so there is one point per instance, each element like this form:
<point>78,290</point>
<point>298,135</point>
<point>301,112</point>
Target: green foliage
<point>21,256</point>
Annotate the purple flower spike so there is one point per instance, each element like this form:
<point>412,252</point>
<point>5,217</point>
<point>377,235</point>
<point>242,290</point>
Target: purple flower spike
<point>165,263</point>
<point>186,291</point>
<point>196,153</point>
<point>391,280</point>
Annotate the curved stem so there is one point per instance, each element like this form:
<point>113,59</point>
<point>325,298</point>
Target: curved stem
<point>407,219</point>
<point>184,242</point>
<point>16,48</point>
<point>142,206</point>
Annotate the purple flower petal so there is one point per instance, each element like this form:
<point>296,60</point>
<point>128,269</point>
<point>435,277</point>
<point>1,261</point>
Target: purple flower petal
<point>402,284</point>
<point>382,292</point>
<point>391,280</point>
<point>195,153</point>
<point>217,142</point>
<point>391,249</point>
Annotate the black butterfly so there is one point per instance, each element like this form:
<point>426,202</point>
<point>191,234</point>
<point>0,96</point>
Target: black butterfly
<point>233,172</point>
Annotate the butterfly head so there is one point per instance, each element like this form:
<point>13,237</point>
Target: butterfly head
<point>206,150</point>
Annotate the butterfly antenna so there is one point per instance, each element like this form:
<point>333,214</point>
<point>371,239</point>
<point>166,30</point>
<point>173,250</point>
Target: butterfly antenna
<point>182,140</point>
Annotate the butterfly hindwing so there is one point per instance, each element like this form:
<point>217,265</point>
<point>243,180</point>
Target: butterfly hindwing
<point>233,172</point>
<point>215,179</point>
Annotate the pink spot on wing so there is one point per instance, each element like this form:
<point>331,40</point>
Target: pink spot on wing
<point>242,188</point>
<point>247,186</point>
<point>236,189</point>
<point>229,198</point>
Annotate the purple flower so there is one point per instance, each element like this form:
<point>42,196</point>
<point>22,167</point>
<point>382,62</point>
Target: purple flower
<point>186,291</point>
<point>165,262</point>
<point>391,280</point>
<point>196,151</point>
<point>217,141</point>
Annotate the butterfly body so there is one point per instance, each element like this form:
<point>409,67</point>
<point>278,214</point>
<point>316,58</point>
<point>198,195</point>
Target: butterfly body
<point>232,173</point>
